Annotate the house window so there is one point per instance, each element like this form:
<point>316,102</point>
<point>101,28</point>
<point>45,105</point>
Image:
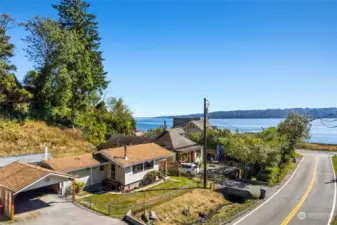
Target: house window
<point>137,168</point>
<point>127,169</point>
<point>101,167</point>
<point>148,165</point>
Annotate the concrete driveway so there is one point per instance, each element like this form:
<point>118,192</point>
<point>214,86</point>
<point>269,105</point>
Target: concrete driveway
<point>59,211</point>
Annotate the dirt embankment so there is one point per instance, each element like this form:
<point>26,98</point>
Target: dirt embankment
<point>30,137</point>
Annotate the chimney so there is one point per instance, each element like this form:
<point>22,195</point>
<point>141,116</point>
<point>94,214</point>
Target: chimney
<point>125,153</point>
<point>45,153</point>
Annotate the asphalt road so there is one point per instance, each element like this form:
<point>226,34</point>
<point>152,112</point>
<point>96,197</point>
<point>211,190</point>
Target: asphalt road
<point>307,197</point>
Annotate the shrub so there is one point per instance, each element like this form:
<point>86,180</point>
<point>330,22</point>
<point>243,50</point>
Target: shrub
<point>79,185</point>
<point>150,177</point>
<point>284,169</point>
<point>269,174</point>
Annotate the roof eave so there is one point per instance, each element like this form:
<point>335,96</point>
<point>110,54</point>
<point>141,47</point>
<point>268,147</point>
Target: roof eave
<point>162,157</point>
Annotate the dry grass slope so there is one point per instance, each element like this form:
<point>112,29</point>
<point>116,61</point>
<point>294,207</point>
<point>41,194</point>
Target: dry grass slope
<point>318,147</point>
<point>28,138</point>
<point>199,200</point>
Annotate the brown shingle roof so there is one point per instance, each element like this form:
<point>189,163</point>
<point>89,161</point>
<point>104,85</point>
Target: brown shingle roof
<point>16,176</point>
<point>74,162</point>
<point>136,153</point>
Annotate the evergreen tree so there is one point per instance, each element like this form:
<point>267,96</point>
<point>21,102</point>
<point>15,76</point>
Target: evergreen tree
<point>73,16</point>
<point>13,97</point>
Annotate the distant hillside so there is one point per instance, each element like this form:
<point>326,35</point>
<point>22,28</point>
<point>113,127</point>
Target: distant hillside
<point>268,113</point>
<point>28,138</point>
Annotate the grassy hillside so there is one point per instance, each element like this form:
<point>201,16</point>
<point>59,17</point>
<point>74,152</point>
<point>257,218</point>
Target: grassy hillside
<point>29,138</point>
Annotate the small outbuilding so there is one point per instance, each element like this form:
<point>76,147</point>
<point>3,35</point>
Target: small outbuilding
<point>19,177</point>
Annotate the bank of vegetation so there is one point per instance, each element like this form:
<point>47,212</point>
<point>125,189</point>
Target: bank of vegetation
<point>67,84</point>
<point>31,137</point>
<point>265,156</point>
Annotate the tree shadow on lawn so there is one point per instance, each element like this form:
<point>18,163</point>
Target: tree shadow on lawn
<point>169,189</point>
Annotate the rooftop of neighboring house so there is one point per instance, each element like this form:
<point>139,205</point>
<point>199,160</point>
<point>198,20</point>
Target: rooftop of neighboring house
<point>198,122</point>
<point>31,159</point>
<point>175,140</point>
<point>16,176</point>
<point>118,140</point>
<point>72,163</point>
<point>139,133</point>
<point>134,154</point>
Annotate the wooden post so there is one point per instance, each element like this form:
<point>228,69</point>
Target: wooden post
<point>12,207</point>
<point>165,165</point>
<point>74,190</point>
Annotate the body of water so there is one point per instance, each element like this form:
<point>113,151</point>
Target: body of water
<point>319,132</point>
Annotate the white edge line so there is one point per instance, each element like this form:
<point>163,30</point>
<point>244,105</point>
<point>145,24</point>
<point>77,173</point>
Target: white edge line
<point>334,197</point>
<point>271,197</point>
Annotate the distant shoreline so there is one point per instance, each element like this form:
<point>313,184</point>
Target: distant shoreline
<point>263,113</point>
<point>214,118</point>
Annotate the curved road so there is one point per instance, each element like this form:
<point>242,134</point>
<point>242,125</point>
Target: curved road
<point>307,198</point>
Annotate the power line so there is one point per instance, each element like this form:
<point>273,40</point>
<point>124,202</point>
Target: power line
<point>327,125</point>
<point>329,121</point>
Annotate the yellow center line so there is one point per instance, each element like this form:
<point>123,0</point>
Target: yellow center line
<point>304,197</point>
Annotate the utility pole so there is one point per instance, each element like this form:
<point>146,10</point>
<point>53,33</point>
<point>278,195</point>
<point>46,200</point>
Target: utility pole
<point>205,144</point>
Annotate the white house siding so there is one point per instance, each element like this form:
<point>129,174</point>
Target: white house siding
<point>89,176</point>
<point>120,174</point>
<point>137,177</point>
<point>50,180</point>
<point>198,156</point>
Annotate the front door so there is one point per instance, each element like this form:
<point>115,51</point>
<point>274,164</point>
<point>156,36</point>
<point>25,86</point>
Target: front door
<point>113,171</point>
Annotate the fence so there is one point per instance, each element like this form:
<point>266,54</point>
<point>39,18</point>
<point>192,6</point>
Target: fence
<point>114,209</point>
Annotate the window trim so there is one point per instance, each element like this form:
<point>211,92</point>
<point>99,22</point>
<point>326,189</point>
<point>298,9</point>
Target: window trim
<point>144,167</point>
<point>133,171</point>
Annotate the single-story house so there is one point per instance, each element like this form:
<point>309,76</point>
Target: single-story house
<point>129,164</point>
<point>125,165</point>
<point>17,177</point>
<point>175,140</point>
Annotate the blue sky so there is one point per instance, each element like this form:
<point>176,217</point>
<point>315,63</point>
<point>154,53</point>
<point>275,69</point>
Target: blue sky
<point>164,56</point>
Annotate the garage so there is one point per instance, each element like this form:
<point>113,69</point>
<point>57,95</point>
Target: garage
<point>22,187</point>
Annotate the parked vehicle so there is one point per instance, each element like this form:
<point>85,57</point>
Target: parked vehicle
<point>189,168</point>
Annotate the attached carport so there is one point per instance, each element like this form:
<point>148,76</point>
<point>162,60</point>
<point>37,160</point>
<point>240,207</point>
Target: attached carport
<point>16,178</point>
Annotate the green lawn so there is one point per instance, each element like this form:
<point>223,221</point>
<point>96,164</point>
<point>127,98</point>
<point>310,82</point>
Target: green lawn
<point>121,203</point>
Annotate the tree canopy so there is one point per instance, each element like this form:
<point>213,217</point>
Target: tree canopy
<point>68,81</point>
<point>13,97</point>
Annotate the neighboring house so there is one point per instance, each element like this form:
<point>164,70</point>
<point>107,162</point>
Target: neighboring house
<point>182,121</point>
<point>125,165</point>
<point>34,159</point>
<point>174,139</point>
<point>88,168</point>
<point>139,133</point>
<point>118,140</point>
<point>191,125</point>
